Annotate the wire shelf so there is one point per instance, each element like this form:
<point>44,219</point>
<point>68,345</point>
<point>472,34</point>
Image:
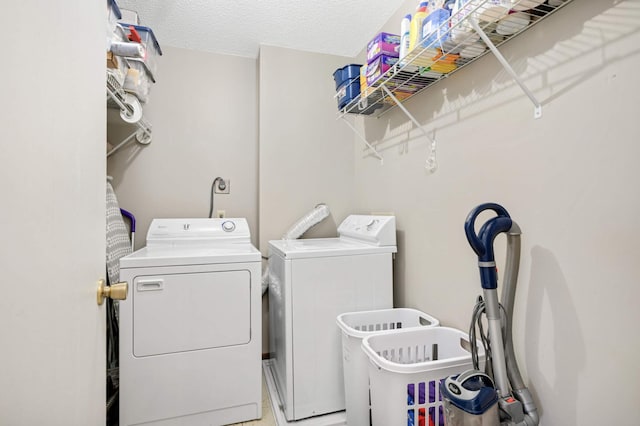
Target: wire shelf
<point>130,112</point>
<point>470,33</point>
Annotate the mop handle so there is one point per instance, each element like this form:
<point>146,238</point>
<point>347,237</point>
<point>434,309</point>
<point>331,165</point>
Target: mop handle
<point>131,217</point>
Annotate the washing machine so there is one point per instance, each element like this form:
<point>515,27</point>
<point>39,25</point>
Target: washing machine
<point>311,282</point>
<point>190,328</point>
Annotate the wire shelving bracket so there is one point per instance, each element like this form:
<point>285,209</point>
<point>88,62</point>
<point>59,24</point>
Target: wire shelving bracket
<point>431,161</point>
<point>116,94</point>
<point>537,113</point>
<point>364,139</point>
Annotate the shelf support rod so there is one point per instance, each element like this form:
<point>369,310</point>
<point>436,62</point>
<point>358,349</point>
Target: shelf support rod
<point>121,144</point>
<point>375,152</point>
<point>406,111</point>
<point>432,163</point>
<point>537,112</point>
<point>113,95</point>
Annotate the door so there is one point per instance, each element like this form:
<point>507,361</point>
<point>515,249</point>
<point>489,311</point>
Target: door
<point>52,213</point>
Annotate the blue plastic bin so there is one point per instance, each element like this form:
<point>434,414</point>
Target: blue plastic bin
<point>347,81</point>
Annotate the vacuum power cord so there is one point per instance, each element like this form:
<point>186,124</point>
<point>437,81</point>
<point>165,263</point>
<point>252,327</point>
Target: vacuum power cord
<point>477,332</point>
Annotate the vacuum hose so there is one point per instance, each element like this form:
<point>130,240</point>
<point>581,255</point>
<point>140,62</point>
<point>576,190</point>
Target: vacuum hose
<point>500,351</point>
<point>306,222</point>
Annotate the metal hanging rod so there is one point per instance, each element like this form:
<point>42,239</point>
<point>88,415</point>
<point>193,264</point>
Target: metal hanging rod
<point>371,147</point>
<point>130,113</point>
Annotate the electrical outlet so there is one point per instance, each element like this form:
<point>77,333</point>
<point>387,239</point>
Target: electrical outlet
<point>223,186</point>
<point>220,214</point>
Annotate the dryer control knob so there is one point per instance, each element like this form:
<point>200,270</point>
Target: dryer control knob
<point>228,226</point>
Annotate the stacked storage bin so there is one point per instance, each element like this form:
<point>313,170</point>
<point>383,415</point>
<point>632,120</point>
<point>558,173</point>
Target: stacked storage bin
<point>355,327</point>
<point>347,81</point>
<point>116,66</point>
<point>113,15</point>
<point>143,67</point>
<point>132,52</point>
<point>382,54</point>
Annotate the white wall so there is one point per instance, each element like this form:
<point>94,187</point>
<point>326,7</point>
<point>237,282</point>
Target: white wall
<point>305,154</point>
<point>569,180</point>
<point>306,157</point>
<point>203,110</point>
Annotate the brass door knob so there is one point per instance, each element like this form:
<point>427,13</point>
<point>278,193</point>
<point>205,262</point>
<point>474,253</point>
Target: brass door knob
<point>117,291</point>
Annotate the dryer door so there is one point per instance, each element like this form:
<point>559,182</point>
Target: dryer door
<point>185,312</point>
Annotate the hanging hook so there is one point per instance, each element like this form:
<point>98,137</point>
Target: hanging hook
<point>432,162</point>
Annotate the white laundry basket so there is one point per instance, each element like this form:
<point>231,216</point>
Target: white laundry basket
<point>405,371</point>
<point>355,327</point>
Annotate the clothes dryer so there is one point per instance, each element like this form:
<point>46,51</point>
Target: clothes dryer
<point>190,328</point>
<point>311,282</point>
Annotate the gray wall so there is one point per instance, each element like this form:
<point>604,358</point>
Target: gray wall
<point>569,179</point>
<point>203,110</point>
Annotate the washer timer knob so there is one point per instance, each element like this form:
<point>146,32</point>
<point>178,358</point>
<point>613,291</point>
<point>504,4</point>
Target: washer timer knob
<point>228,226</point>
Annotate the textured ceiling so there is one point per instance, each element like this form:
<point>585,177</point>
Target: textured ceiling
<point>238,27</point>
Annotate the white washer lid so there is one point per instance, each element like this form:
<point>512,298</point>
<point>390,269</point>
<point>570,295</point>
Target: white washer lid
<point>194,254</point>
<point>324,247</point>
<point>359,234</point>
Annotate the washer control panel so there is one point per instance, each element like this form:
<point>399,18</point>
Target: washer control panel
<point>378,230</point>
<point>172,231</point>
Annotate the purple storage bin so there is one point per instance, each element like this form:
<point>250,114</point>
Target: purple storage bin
<point>378,67</point>
<point>383,44</point>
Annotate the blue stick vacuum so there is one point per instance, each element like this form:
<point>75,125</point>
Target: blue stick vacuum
<point>516,406</point>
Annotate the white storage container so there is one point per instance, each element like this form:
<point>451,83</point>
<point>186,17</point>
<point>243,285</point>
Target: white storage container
<point>405,371</point>
<point>150,43</point>
<point>138,79</point>
<point>120,72</point>
<point>113,14</point>
<point>130,16</point>
<point>355,327</point>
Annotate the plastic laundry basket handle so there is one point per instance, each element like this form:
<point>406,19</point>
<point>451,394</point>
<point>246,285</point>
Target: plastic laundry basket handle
<point>482,243</point>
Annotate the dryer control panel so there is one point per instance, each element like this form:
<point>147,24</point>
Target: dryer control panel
<point>373,229</point>
<point>173,231</point>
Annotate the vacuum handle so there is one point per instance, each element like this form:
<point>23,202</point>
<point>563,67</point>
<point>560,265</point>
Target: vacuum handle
<point>469,225</point>
<point>469,374</point>
<point>482,243</point>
